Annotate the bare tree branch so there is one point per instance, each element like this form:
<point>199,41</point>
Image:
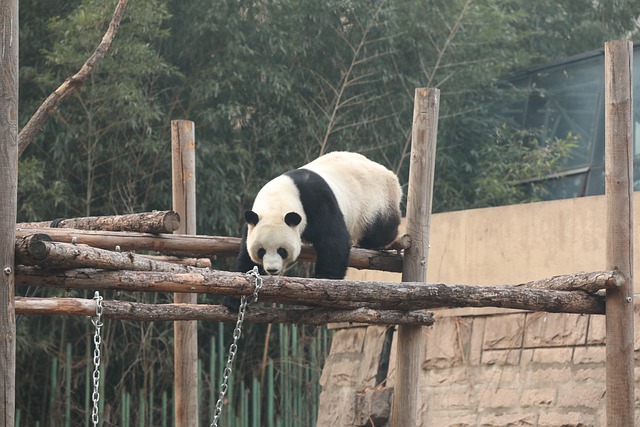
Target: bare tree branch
<point>40,117</point>
<point>346,81</point>
<point>452,34</point>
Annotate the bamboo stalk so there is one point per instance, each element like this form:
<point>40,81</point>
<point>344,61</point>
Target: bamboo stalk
<point>141,408</point>
<point>321,292</point>
<point>255,402</point>
<point>67,386</point>
<point>124,413</point>
<point>53,385</point>
<point>87,379</point>
<point>155,222</point>
<point>199,246</point>
<point>212,374</point>
<point>164,409</point>
<point>271,394</point>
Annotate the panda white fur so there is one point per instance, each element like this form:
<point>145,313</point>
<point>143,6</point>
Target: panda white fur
<point>337,200</point>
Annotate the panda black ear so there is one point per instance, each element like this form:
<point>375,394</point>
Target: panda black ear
<point>292,219</point>
<point>251,217</point>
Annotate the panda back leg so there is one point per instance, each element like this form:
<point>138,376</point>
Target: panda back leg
<point>381,232</point>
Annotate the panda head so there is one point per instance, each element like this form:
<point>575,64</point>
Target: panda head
<point>273,240</point>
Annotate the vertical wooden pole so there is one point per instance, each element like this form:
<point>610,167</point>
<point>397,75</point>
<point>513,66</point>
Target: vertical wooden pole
<point>185,333</point>
<point>419,201</point>
<point>619,195</point>
<point>8,204</point>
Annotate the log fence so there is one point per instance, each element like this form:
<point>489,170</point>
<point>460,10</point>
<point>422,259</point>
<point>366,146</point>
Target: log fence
<point>71,258</point>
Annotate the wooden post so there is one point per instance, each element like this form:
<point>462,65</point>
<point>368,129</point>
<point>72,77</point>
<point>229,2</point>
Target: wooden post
<point>619,195</point>
<point>185,333</point>
<point>419,200</point>
<point>8,204</point>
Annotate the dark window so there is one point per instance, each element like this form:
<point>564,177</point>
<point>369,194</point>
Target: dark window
<point>568,97</point>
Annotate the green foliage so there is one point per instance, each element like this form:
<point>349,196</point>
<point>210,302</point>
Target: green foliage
<point>270,85</point>
<point>526,156</point>
<point>108,143</point>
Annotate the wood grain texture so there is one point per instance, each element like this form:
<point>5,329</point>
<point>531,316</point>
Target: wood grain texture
<point>8,204</point>
<point>419,201</point>
<point>185,333</point>
<point>155,222</point>
<point>126,310</point>
<point>200,246</point>
<point>619,197</point>
<point>321,292</point>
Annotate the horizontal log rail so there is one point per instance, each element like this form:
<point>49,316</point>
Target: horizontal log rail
<point>38,249</point>
<point>331,293</point>
<point>145,222</point>
<point>198,246</point>
<point>588,282</point>
<point>125,310</point>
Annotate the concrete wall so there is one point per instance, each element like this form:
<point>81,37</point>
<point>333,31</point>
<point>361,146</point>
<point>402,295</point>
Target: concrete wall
<point>492,367</point>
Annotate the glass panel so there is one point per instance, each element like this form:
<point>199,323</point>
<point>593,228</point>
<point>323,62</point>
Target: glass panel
<point>565,187</point>
<point>595,184</point>
<point>566,99</point>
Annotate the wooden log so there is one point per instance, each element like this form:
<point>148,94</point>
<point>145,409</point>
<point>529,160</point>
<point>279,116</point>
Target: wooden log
<point>588,282</point>
<point>169,244</point>
<point>321,292</point>
<point>155,222</point>
<point>125,310</point>
<point>193,262</point>
<point>619,155</point>
<point>200,246</point>
<point>185,333</point>
<point>8,206</point>
<point>419,200</point>
<point>33,250</point>
<point>23,256</point>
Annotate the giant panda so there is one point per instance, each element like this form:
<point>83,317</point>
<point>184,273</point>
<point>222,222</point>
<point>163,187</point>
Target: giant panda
<point>338,200</point>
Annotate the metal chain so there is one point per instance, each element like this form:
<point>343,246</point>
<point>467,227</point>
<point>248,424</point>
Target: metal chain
<point>97,340</point>
<point>234,346</point>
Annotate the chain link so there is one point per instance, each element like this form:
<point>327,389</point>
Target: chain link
<point>233,348</point>
<point>97,340</point>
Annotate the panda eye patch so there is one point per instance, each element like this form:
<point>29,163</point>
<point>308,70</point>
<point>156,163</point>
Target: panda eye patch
<point>283,253</point>
<point>261,253</point>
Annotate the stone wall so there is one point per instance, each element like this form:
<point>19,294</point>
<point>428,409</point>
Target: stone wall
<point>515,369</point>
<point>490,367</point>
<point>523,369</point>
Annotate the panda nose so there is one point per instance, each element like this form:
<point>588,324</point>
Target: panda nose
<point>272,271</point>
